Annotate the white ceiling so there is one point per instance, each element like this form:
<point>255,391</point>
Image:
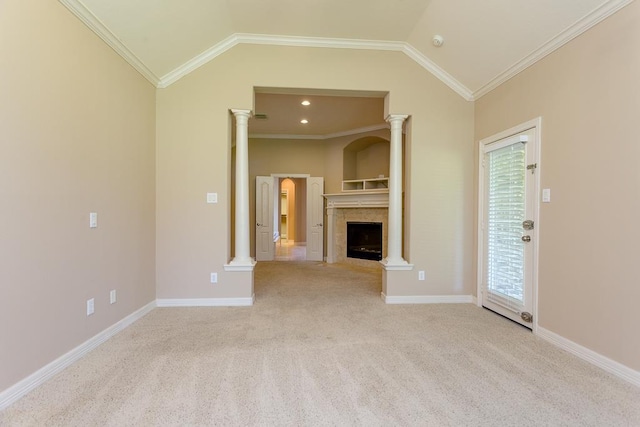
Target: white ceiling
<point>486,42</point>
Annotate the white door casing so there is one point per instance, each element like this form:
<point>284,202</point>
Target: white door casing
<point>265,247</point>
<point>315,219</point>
<point>508,196</point>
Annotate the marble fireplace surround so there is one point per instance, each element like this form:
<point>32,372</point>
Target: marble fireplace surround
<point>357,206</point>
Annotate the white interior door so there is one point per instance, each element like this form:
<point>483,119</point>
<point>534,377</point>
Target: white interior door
<point>507,221</point>
<point>265,247</point>
<point>315,219</point>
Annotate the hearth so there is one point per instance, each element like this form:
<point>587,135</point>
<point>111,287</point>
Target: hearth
<point>364,240</point>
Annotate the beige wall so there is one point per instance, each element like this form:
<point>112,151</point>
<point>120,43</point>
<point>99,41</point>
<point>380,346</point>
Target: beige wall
<point>77,130</point>
<point>373,161</point>
<point>193,158</point>
<point>588,95</point>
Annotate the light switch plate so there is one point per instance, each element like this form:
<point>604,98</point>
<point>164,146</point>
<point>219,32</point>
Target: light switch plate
<point>212,197</point>
<point>90,306</point>
<point>93,220</point>
<point>214,277</point>
<point>546,195</point>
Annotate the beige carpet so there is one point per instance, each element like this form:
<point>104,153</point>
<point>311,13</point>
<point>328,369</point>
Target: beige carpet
<point>319,347</point>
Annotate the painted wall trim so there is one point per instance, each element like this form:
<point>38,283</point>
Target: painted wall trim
<point>321,137</point>
<point>102,31</point>
<point>435,69</point>
<point>603,362</point>
<point>206,302</point>
<point>333,43</point>
<point>91,21</point>
<point>594,17</point>
<point>15,392</point>
<point>428,299</point>
<point>197,62</point>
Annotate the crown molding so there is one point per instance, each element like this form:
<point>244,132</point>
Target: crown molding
<point>331,43</point>
<point>594,17</point>
<point>90,20</point>
<point>590,20</point>
<point>325,42</point>
<point>320,137</point>
<point>283,136</point>
<point>434,69</point>
<point>264,39</point>
<point>197,62</point>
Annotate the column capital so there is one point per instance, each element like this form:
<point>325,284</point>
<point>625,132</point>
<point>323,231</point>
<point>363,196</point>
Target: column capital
<point>396,117</point>
<point>241,113</point>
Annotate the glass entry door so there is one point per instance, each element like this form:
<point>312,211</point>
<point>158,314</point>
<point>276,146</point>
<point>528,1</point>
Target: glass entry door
<point>508,244</point>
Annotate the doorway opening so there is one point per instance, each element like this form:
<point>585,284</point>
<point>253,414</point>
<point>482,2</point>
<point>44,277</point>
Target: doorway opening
<point>301,221</point>
<point>290,215</point>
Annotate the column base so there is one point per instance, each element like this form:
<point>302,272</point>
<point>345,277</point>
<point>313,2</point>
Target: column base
<point>240,265</point>
<point>395,265</point>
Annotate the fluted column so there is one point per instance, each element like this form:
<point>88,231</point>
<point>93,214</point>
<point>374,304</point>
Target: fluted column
<point>242,256</point>
<point>394,239</point>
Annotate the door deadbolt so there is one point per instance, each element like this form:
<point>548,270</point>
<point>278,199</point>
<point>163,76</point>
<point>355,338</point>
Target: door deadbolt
<point>527,225</point>
<point>526,317</point>
<point>526,238</point>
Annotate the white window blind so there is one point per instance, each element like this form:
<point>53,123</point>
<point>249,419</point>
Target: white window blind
<point>506,210</point>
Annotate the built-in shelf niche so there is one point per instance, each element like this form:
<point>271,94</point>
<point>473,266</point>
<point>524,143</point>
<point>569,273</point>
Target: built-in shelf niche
<point>370,184</point>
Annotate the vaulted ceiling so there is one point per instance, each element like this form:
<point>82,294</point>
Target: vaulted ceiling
<point>485,42</point>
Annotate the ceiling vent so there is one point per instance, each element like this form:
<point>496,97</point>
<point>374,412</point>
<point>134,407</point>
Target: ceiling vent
<point>260,116</point>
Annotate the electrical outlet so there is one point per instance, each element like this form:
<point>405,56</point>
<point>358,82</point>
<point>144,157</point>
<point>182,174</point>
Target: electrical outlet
<point>212,197</point>
<point>421,275</point>
<point>112,296</point>
<point>90,307</point>
<point>214,277</point>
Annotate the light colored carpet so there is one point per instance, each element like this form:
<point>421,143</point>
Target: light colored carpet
<point>319,347</point>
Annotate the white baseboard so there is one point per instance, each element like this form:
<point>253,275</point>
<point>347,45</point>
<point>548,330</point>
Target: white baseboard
<point>427,299</point>
<point>16,391</point>
<point>603,362</point>
<point>206,302</point>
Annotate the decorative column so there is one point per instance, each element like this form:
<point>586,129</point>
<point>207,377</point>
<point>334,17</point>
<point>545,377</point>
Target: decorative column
<point>331,231</point>
<point>242,260</point>
<point>394,258</point>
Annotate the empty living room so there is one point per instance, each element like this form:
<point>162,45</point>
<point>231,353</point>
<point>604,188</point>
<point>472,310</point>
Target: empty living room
<point>402,212</point>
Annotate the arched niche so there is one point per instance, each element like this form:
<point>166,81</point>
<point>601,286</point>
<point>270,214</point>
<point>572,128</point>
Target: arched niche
<point>366,157</point>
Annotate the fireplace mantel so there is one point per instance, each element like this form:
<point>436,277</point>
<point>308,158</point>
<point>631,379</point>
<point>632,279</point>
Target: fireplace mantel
<point>356,203</point>
<point>359,199</point>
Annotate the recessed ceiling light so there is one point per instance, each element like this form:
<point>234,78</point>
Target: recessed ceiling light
<point>304,121</point>
<point>305,103</point>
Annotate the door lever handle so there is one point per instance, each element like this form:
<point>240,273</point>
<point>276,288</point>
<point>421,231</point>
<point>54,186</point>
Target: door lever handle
<point>259,225</point>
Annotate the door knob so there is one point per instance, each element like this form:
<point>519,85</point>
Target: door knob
<point>526,238</point>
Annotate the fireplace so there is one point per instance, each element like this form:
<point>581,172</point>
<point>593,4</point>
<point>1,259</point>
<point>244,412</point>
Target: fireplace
<point>364,240</point>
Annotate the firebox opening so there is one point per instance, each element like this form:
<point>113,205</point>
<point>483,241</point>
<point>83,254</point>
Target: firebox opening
<point>364,240</point>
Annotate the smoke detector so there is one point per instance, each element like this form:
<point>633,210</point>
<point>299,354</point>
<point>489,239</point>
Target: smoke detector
<point>438,40</point>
